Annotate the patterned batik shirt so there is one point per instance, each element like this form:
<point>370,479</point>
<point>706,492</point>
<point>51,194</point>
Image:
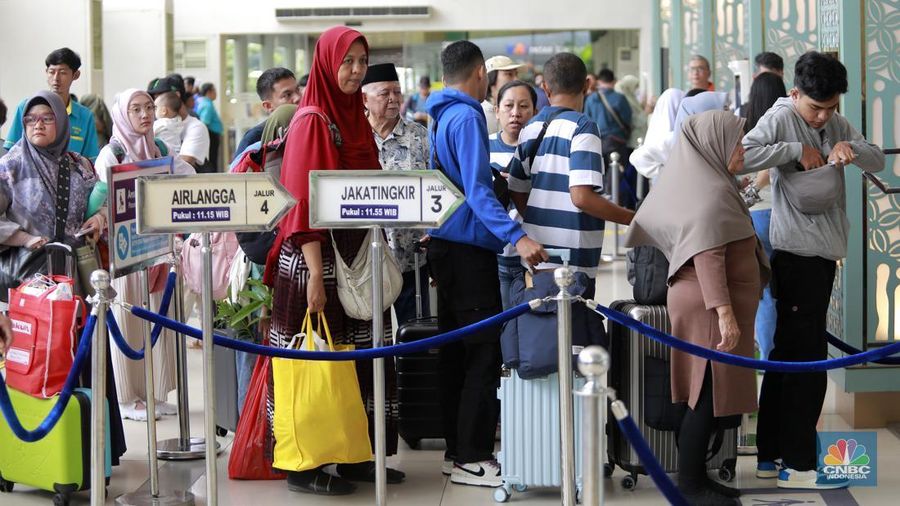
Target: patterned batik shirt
<point>405,148</point>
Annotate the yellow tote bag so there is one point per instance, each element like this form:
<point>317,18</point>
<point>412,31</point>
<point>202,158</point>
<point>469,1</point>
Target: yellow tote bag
<point>319,413</point>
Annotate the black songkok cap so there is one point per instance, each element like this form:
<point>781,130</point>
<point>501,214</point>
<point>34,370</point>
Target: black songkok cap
<point>383,72</point>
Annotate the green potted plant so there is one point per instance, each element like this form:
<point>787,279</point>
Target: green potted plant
<point>242,317</point>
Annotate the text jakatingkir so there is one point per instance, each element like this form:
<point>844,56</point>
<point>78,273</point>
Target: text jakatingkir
<point>376,192</point>
<point>205,196</point>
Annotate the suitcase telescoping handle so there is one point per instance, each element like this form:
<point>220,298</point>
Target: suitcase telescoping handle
<point>68,253</point>
<point>416,252</point>
<point>562,253</point>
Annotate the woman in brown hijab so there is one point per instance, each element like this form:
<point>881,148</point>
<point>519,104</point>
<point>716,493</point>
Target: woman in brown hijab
<point>697,218</point>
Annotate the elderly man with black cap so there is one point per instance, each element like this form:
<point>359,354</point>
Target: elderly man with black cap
<point>402,145</point>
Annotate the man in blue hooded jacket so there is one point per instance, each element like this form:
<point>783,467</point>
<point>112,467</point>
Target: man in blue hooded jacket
<point>463,259</point>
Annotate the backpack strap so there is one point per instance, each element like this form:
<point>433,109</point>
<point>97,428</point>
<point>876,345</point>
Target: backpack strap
<point>312,109</point>
<point>163,147</point>
<point>540,138</point>
<point>625,128</point>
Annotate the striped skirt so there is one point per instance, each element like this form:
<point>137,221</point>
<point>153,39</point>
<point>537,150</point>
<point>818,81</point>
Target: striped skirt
<point>289,308</point>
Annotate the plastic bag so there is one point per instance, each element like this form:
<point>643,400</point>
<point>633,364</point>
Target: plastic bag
<point>248,460</point>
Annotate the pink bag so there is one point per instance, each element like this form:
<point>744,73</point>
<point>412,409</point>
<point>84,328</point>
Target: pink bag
<point>224,247</point>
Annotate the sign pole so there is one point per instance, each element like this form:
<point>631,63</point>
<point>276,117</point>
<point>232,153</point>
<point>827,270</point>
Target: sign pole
<point>100,283</point>
<point>378,368</point>
<point>209,411</point>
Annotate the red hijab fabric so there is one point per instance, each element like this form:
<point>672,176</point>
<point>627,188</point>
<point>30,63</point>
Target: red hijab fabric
<point>309,141</point>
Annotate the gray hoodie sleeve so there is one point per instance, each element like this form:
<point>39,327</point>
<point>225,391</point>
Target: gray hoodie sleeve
<point>764,150</point>
<point>869,157</point>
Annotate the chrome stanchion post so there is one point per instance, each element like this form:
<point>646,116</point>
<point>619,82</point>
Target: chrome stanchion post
<point>616,168</point>
<point>152,497</point>
<point>377,342</point>
<point>100,282</point>
<point>593,362</point>
<point>209,411</point>
<point>564,278</point>
<point>184,447</point>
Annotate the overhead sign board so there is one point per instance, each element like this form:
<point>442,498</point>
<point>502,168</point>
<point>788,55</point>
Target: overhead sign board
<point>210,203</point>
<point>365,198</point>
<point>130,252</point>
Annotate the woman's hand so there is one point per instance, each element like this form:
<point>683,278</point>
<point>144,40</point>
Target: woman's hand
<point>94,226</point>
<point>36,242</point>
<point>315,293</point>
<point>729,329</point>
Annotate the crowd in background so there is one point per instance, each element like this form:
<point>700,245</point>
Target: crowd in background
<point>544,145</point>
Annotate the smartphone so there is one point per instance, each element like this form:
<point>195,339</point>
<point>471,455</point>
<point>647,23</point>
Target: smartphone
<point>84,232</point>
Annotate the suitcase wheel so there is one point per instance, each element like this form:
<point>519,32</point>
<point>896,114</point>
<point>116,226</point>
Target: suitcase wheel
<point>608,469</point>
<point>520,488</point>
<point>221,431</point>
<point>501,494</point>
<point>629,482</point>
<point>6,486</point>
<point>61,500</point>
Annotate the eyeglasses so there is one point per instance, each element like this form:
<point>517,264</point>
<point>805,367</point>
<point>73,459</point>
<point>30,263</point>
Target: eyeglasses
<point>45,119</point>
<point>137,110</point>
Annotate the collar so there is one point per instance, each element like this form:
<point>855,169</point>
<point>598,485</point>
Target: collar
<point>69,106</point>
<point>398,131</point>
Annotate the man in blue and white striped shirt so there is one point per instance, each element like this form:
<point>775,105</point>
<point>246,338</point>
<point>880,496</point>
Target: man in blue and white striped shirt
<point>559,191</point>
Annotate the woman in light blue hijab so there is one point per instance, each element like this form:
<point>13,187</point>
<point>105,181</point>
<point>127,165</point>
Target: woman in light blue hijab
<point>706,101</point>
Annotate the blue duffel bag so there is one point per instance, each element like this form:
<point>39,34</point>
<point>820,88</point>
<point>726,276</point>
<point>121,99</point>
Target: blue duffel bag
<point>529,343</point>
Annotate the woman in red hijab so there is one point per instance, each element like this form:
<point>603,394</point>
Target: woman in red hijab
<point>329,131</point>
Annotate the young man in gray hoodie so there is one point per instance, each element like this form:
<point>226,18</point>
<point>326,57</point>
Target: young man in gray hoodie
<point>808,145</point>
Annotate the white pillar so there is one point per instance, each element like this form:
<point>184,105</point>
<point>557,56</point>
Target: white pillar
<point>240,64</point>
<point>268,52</point>
<point>290,51</point>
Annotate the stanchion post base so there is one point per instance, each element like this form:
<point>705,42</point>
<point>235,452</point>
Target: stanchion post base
<point>172,449</point>
<point>165,498</point>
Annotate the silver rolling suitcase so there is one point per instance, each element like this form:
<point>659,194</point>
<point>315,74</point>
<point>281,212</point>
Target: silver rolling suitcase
<point>635,358</point>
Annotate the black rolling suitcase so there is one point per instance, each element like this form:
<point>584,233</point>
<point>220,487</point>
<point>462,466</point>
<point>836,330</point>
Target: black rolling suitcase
<point>417,379</point>
<point>640,377</point>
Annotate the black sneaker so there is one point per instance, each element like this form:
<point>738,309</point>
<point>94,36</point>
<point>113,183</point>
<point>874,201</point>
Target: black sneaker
<point>365,471</point>
<point>707,497</point>
<point>720,488</point>
<point>318,482</point>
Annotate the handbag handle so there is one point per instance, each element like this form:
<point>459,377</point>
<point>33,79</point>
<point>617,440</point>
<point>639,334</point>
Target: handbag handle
<point>323,322</point>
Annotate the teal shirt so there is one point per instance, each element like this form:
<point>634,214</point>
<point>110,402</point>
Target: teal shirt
<point>82,131</point>
<point>206,109</point>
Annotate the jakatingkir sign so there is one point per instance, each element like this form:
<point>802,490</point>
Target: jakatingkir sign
<point>365,198</point>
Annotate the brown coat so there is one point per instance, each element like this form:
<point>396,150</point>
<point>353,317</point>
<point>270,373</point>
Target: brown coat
<point>719,276</point>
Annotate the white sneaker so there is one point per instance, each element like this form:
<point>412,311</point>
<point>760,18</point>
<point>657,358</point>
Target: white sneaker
<point>166,409</point>
<point>807,480</point>
<point>482,474</point>
<point>135,411</point>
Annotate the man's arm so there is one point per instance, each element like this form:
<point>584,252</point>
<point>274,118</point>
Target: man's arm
<point>474,161</point>
<point>869,157</point>
<point>585,198</point>
<point>519,179</point>
<point>765,150</point>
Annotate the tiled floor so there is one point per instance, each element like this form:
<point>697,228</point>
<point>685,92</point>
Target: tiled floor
<point>425,486</point>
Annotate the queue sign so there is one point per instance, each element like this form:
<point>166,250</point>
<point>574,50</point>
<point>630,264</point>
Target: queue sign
<point>210,202</point>
<point>366,198</point>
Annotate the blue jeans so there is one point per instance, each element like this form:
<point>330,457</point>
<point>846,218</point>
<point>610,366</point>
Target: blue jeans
<point>766,314</point>
<point>507,275</point>
<point>244,363</point>
<point>405,305</point>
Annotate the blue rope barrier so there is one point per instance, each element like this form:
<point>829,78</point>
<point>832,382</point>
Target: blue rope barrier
<point>651,465</point>
<point>383,352</point>
<point>737,360</point>
<point>850,350</point>
<point>116,333</point>
<point>44,428</point>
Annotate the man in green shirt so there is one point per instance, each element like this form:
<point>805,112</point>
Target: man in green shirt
<point>62,70</point>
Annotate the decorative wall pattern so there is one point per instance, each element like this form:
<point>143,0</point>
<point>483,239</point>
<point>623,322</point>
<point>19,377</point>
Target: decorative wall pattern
<point>882,112</point>
<point>791,30</point>
<point>731,40</point>
<point>829,25</point>
<point>693,28</point>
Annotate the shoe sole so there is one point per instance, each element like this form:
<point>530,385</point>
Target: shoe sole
<point>807,486</point>
<point>766,475</point>
<point>302,490</point>
<point>474,482</point>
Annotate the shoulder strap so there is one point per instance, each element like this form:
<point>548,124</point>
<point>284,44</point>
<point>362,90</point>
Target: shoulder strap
<point>335,133</point>
<point>540,138</point>
<point>163,147</point>
<point>118,150</point>
<point>615,115</point>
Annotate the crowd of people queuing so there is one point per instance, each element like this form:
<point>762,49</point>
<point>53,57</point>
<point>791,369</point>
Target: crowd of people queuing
<point>735,273</point>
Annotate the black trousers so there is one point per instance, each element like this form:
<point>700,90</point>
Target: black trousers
<point>790,403</point>
<point>468,290</point>
<point>693,438</point>
<point>211,164</point>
